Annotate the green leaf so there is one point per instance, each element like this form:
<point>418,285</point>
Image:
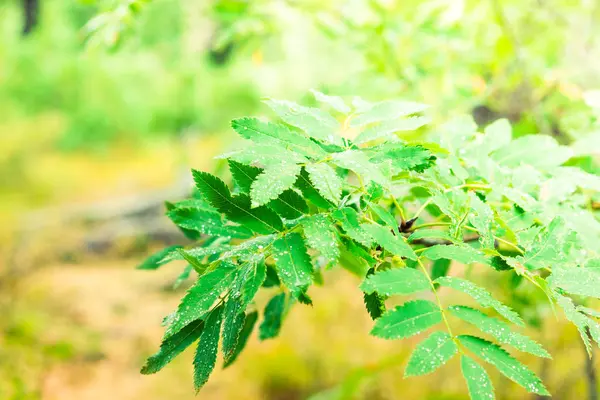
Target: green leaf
<point>260,219</point>
<point>321,236</point>
<point>482,218</point>
<point>402,157</point>
<point>578,280</point>
<point>589,311</point>
<point>232,324</point>
<point>335,102</point>
<point>245,333</point>
<point>263,155</point>
<point>171,347</point>
<point>375,304</point>
<point>461,253</point>
<point>577,318</point>
<point>478,381</point>
<point>316,123</point>
<point>157,259</point>
<point>349,219</point>
<point>440,268</point>
<point>276,135</point>
<point>243,175</point>
<point>385,238</point>
<point>385,216</point>
<point>310,193</point>
<point>358,162</point>
<point>253,279</point>
<point>200,297</point>
<point>206,353</point>
<point>294,266</point>
<point>481,296</point>
<point>197,253</point>
<point>271,324</point>
<point>326,181</point>
<point>548,246</point>
<point>507,365</point>
<point>496,135</point>
<point>385,111</point>
<point>499,330</point>
<point>409,319</point>
<point>396,281</point>
<point>548,153</point>
<point>273,181</point>
<point>208,223</point>
<point>431,354</point>
<point>388,128</point>
<point>430,234</point>
<point>289,205</point>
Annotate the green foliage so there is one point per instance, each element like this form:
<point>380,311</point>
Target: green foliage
<point>305,200</point>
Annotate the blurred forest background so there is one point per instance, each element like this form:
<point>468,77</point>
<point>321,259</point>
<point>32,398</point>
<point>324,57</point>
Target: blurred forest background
<point>106,105</point>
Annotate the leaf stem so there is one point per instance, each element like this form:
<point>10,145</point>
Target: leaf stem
<point>439,302</point>
<point>430,224</point>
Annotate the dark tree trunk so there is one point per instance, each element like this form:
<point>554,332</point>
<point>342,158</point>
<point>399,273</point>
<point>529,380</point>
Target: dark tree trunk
<point>31,12</point>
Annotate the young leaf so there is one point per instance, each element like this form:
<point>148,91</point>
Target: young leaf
<point>481,296</point>
<point>321,236</point>
<point>326,181</point>
<point>316,123</point>
<point>396,281</point>
<point>358,162</point>
<point>548,153</point>
<point>577,318</point>
<point>387,110</point>
<point>206,353</point>
<point>409,319</point>
<point>388,128</point>
<point>499,330</point>
<point>402,157</point>
<point>260,220</point>
<point>245,333</point>
<point>273,181</point>
<point>273,317</point>
<point>431,354</point>
<point>200,297</point>
<point>507,365</point>
<point>478,381</point>
<point>394,244</point>
<point>580,281</point>
<point>171,347</point>
<point>293,263</point>
<point>157,259</point>
<point>548,246</point>
<point>276,135</point>
<point>335,102</point>
<point>482,218</point>
<point>461,253</point>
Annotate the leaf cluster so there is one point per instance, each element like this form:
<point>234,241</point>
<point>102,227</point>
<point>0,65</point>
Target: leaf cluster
<point>318,191</point>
